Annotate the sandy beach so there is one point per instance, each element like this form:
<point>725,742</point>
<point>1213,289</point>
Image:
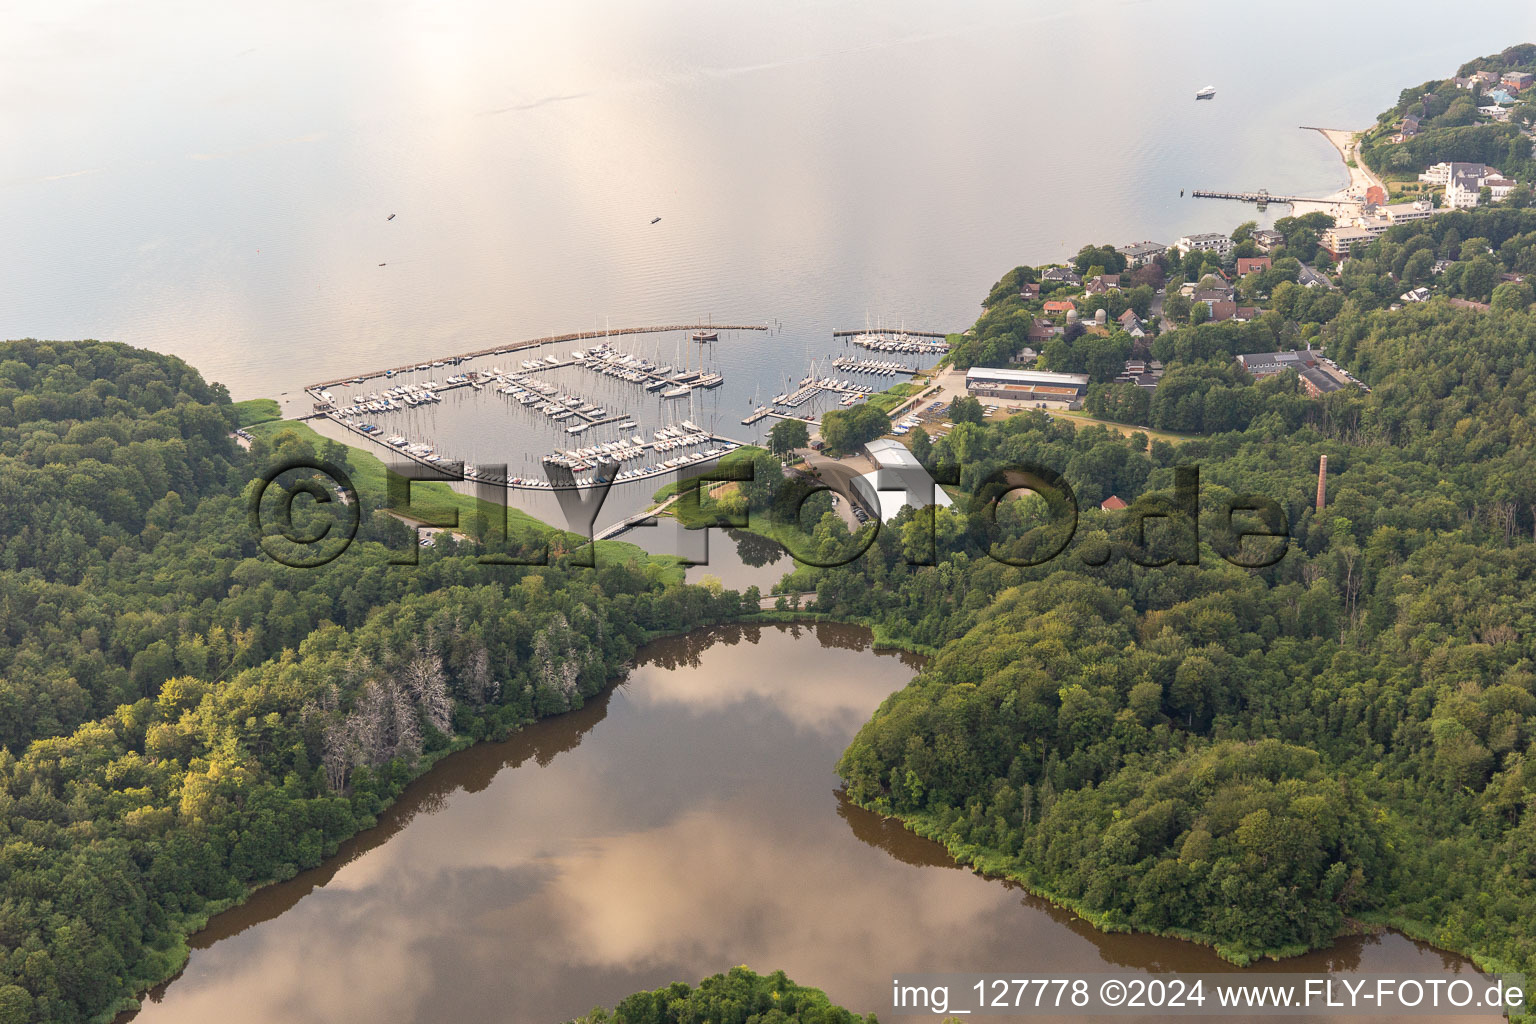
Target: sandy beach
<point>1360,178</point>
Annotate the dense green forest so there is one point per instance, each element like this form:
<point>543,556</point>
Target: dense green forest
<point>1251,757</point>
<point>737,997</point>
<point>1255,743</point>
<point>182,716</point>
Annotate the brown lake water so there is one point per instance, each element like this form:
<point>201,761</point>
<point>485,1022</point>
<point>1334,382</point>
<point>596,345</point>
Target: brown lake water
<point>686,820</point>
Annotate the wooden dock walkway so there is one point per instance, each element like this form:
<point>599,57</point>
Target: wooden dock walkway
<point>892,334</point>
<point>1264,197</point>
<point>629,523</point>
<point>551,339</point>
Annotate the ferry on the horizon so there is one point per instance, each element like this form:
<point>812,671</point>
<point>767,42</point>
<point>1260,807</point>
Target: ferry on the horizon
<point>1209,92</point>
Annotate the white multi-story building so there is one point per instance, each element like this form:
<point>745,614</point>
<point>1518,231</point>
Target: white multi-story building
<point>1210,241</point>
<point>1464,181</point>
<point>1440,174</point>
<point>1340,238</point>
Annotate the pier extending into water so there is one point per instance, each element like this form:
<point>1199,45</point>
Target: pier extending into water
<point>894,334</point>
<point>1263,197</point>
<point>518,346</point>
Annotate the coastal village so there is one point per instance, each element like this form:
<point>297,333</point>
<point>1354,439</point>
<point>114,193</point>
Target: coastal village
<point>1099,338</point>
<point>1092,339</point>
<point>1140,290</point>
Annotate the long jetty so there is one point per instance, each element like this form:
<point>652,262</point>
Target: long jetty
<point>549,339</point>
<point>1263,197</point>
<point>893,332</point>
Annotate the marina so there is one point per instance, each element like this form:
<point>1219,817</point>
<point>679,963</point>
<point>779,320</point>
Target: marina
<point>880,368</point>
<point>540,386</point>
<point>598,407</point>
<point>912,342</point>
<point>531,343</point>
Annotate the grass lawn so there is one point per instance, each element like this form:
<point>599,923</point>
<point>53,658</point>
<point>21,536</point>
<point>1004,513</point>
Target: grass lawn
<point>889,399</point>
<point>1082,418</point>
<point>437,504</point>
<point>256,410</point>
<point>744,454</point>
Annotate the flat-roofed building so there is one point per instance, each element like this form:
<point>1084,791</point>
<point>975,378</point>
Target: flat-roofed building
<point>1209,241</point>
<point>1266,364</point>
<point>1036,388</point>
<point>1138,253</point>
<point>1268,239</point>
<point>899,480</point>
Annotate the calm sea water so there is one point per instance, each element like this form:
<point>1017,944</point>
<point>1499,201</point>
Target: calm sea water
<point>214,180</point>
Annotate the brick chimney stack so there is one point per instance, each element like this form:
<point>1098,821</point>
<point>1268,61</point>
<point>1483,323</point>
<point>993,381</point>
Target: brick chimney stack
<point>1322,483</point>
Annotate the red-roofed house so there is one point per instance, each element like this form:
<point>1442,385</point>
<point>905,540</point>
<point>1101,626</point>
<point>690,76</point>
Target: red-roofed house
<point>1112,503</point>
<point>1058,306</point>
<point>1248,264</point>
<point>1376,195</point>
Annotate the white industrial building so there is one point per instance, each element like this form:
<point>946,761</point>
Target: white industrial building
<point>899,480</point>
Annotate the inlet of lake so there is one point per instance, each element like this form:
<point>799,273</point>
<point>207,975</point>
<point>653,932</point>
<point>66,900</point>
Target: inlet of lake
<point>686,820</point>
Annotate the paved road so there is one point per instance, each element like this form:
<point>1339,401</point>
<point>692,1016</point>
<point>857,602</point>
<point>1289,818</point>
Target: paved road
<point>1156,311</point>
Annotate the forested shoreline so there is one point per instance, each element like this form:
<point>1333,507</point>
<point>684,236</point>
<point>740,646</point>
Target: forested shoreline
<point>185,718</point>
<point>1256,759</point>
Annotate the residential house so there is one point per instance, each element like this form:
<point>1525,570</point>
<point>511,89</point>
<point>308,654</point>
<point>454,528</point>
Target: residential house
<point>1410,126</point>
<point>1102,283</point>
<point>1142,373</point>
<point>1517,80</point>
<point>1225,310</point>
<point>1139,253</point>
<point>1059,306</point>
<point>1209,295</point>
<point>1042,331</point>
<point>1210,241</point>
<point>1131,324</point>
<point>1248,264</point>
<point>1061,275</point>
<point>1245,313</point>
<point>1029,291</point>
<point>1311,277</point>
<point>1494,112</point>
<point>1420,294</point>
<point>1376,195</point>
<point>1268,239</point>
<point>1481,307</point>
<point>1487,77</point>
<point>1465,83</point>
<point>1502,97</point>
<point>1113,503</point>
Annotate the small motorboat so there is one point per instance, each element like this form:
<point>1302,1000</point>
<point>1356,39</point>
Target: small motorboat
<point>655,220</point>
<point>390,217</point>
<point>1209,92</point>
